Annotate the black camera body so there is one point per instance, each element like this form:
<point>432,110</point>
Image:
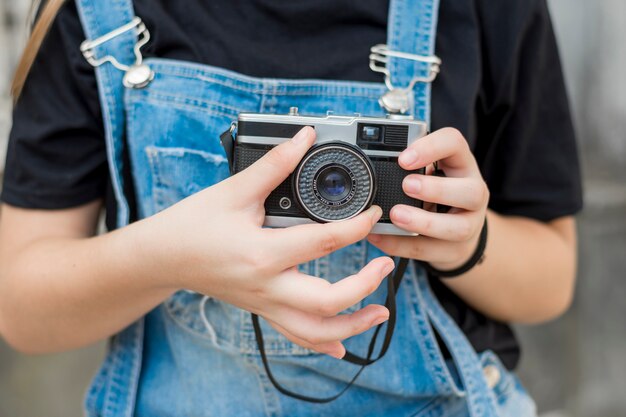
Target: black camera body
<point>352,165</point>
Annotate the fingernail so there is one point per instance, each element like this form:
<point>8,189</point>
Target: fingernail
<point>401,215</point>
<point>375,214</point>
<point>302,135</point>
<point>412,185</point>
<point>408,157</point>
<point>375,238</point>
<point>388,268</point>
<point>379,320</point>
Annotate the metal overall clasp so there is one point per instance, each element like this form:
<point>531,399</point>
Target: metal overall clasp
<point>400,100</point>
<point>137,75</point>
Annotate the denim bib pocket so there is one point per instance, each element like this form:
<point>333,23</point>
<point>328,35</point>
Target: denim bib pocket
<point>178,173</point>
<point>425,338</point>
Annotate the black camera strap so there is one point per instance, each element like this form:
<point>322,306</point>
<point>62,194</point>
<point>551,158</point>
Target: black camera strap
<point>393,282</point>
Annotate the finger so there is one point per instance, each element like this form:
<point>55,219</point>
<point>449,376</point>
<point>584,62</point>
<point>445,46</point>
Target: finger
<point>303,243</point>
<point>445,145</point>
<point>320,297</point>
<point>317,329</point>
<point>262,177</point>
<point>456,227</point>
<point>422,248</point>
<point>466,193</point>
<point>334,349</point>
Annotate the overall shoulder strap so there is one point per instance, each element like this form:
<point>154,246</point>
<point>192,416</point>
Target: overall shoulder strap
<point>99,18</point>
<point>412,29</point>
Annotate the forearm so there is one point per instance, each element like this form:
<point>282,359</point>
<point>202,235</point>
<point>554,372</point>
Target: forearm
<point>60,289</point>
<point>528,272</point>
<point>62,293</point>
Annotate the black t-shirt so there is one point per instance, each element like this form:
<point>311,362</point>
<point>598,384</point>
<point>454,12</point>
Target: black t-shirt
<point>501,84</point>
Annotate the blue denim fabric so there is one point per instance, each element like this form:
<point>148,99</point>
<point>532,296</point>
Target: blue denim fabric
<point>172,362</point>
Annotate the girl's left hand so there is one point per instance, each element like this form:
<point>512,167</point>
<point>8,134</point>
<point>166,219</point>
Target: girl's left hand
<point>446,240</point>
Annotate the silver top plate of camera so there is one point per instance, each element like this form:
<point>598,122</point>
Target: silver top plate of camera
<point>332,127</point>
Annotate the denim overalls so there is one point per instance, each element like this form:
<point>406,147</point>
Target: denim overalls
<point>181,361</point>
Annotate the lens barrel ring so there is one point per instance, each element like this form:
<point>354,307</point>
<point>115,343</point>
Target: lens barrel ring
<point>340,156</point>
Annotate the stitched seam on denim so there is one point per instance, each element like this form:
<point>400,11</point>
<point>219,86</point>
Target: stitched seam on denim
<point>264,103</point>
<point>428,348</point>
<point>427,341</point>
<point>393,33</point>
<point>265,387</point>
<point>430,406</point>
<point>175,359</point>
<point>321,85</point>
<point>107,97</point>
<point>423,37</point>
<point>157,184</point>
<point>130,140</point>
<point>445,372</point>
<point>194,70</point>
<point>106,75</point>
<point>480,398</point>
<point>422,100</point>
<point>326,93</point>
<point>228,84</point>
<point>453,343</point>
<point>226,346</point>
<point>137,352</point>
<point>184,103</point>
<point>125,366</point>
<point>474,394</point>
<point>247,343</point>
<point>98,384</point>
<point>278,349</point>
<point>273,347</point>
<point>108,403</point>
<point>180,152</point>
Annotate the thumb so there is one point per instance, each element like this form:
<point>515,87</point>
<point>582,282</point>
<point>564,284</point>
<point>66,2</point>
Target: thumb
<point>262,177</point>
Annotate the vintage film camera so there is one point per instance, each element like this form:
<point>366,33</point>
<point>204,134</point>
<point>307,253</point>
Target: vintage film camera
<point>352,165</point>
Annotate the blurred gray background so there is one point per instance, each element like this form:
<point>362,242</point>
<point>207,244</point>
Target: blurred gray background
<point>575,366</point>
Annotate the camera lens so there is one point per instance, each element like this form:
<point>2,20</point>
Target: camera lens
<point>334,181</point>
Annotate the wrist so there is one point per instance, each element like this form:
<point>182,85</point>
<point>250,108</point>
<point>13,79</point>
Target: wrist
<point>148,256</point>
<point>464,255</point>
<point>476,258</point>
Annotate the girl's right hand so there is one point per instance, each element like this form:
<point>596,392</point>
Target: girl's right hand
<point>213,242</point>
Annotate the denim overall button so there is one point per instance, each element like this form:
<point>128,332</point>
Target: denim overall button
<point>138,76</point>
<point>492,375</point>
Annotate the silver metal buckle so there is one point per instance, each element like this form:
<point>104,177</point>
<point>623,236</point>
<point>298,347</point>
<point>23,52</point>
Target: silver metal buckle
<point>400,100</point>
<point>137,75</point>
